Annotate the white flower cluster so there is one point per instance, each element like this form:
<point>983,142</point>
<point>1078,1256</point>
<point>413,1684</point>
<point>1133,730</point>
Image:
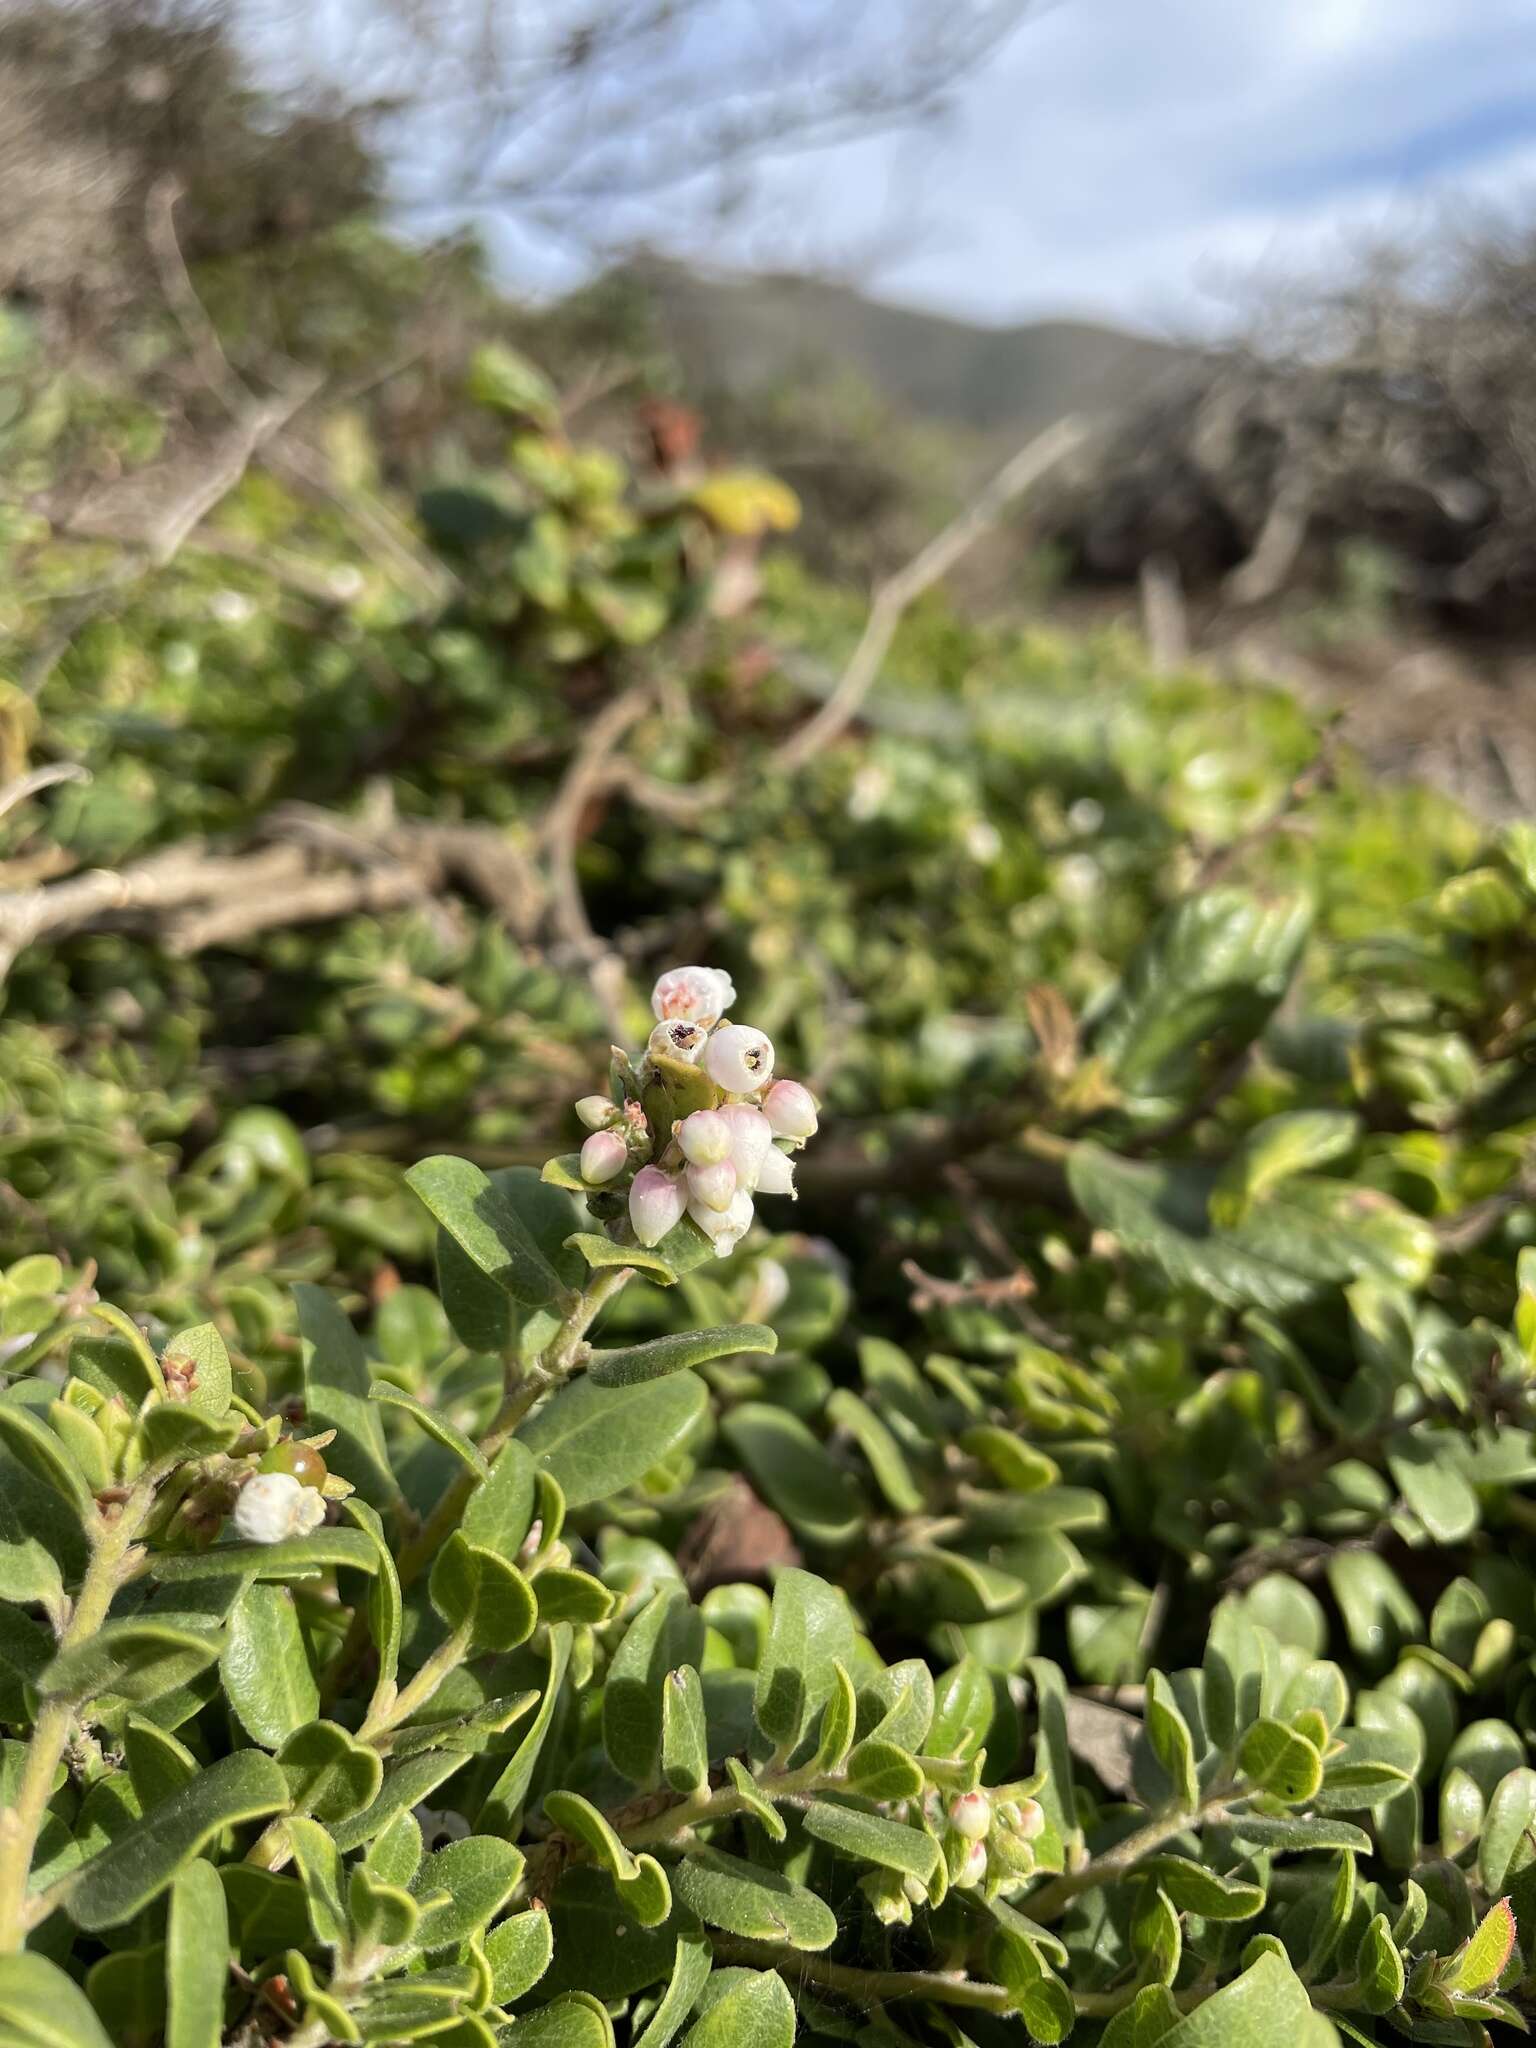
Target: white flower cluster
<point>272,1506</point>
<point>712,1162</point>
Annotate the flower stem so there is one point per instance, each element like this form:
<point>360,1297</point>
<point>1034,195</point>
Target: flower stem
<point>557,1360</point>
<point>1053,1899</point>
<point>108,1567</point>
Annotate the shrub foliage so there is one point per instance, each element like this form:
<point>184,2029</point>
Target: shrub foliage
<point>1077,1583</point>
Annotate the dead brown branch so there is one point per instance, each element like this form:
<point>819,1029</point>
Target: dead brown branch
<point>193,896</point>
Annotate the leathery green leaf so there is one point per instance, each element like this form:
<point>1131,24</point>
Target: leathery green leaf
<point>330,1774</point>
<point>811,1632</point>
<point>872,1838</point>
<point>596,1441</point>
<point>690,1973</point>
<point>761,1904</point>
<point>197,1364</point>
<point>196,1958</point>
<point>265,1666</point>
<point>573,2020</point>
<point>664,1355</point>
<point>684,1733</point>
<point>486,1225</point>
<point>1282,1761</point>
<point>337,1387</point>
<point>794,1472</point>
<point>42,2008</point>
<point>519,1952</point>
<point>667,1632</point>
<point>743,2009</point>
<point>143,1860</point>
<point>133,1660</point>
<point>478,1875</point>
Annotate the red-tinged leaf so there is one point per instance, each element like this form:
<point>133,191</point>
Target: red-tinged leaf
<point>1481,1961</point>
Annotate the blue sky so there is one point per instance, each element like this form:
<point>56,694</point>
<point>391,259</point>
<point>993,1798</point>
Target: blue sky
<point>1143,159</point>
<point>1139,160</point>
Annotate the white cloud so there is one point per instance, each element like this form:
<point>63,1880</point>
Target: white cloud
<point>1134,157</point>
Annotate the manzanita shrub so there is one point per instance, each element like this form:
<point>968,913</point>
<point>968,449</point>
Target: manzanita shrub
<point>368,1717</point>
<point>476,1563</point>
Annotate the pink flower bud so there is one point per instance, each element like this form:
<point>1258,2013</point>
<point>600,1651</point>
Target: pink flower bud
<point>739,1059</point>
<point>790,1110</point>
<point>677,1039</point>
<point>971,1815</point>
<point>751,1139</point>
<point>776,1175</point>
<point>713,1185</point>
<point>603,1156</point>
<point>596,1112</point>
<point>705,1138</point>
<point>727,1227</point>
<point>698,995</point>
<point>973,1869</point>
<point>656,1204</point>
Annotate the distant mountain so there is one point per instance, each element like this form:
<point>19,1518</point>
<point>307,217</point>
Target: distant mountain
<point>746,332</point>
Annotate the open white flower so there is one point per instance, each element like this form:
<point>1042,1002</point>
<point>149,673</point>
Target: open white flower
<point>697,995</point>
<point>739,1059</point>
<point>272,1506</point>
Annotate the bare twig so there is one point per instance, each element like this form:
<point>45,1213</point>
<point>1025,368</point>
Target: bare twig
<point>192,315</point>
<point>38,779</point>
<point>900,591</point>
<point>195,897</point>
<point>1317,775</point>
<point>587,775</point>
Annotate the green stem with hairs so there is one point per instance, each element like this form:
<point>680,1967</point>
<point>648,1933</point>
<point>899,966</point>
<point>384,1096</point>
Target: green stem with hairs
<point>869,1988</point>
<point>556,1362</point>
<point>1053,1899</point>
<point>109,1567</point>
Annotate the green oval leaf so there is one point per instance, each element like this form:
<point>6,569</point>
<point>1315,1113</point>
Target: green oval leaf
<point>663,1355</point>
<point>265,1666</point>
<point>744,1899</point>
<point>488,1225</point>
<point>597,1440</point>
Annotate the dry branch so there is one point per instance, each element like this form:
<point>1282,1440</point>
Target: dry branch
<point>899,592</point>
<point>194,897</point>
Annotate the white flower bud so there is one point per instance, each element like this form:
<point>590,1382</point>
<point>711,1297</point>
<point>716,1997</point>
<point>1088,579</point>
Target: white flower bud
<point>727,1226</point>
<point>915,1889</point>
<point>770,1292</point>
<point>596,1112</point>
<point>739,1059</point>
<point>603,1156</point>
<point>776,1174</point>
<point>973,1869</point>
<point>751,1139</point>
<point>790,1110</point>
<point>677,1039</point>
<point>970,1814</point>
<point>272,1506</point>
<point>713,1185</point>
<point>656,1204</point>
<point>699,995</point>
<point>1031,1820</point>
<point>705,1138</point>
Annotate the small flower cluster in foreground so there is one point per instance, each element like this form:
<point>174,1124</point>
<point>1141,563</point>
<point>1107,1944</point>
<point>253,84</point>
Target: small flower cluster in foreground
<point>704,1126</point>
<point>987,1838</point>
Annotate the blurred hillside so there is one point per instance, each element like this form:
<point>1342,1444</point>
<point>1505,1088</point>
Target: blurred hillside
<point>748,334</point>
